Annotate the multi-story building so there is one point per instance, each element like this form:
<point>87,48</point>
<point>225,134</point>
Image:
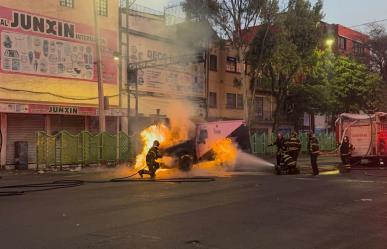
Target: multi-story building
<point>226,98</point>
<point>346,41</point>
<point>48,72</point>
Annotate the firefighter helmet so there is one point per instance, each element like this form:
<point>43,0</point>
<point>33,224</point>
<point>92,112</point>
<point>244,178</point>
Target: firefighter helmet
<point>156,143</point>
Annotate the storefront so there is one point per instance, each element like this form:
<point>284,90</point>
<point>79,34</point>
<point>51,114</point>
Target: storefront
<point>21,122</point>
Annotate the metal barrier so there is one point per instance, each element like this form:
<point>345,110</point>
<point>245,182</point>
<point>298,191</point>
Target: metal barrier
<point>260,142</point>
<point>82,149</point>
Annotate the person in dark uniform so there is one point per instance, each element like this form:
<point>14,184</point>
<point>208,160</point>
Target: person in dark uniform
<point>280,143</point>
<point>314,152</point>
<point>151,157</point>
<point>293,146</point>
<point>346,149</point>
<point>290,163</point>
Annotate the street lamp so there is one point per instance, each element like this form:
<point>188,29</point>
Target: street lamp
<point>116,56</point>
<point>329,42</point>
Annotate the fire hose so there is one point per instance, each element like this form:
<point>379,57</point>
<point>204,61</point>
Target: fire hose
<point>12,190</point>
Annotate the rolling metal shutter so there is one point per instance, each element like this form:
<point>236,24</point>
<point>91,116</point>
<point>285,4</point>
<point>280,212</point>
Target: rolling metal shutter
<point>23,127</point>
<point>72,124</point>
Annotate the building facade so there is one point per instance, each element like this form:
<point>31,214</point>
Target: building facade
<point>347,41</point>
<point>159,90</point>
<point>225,94</point>
<point>48,75</point>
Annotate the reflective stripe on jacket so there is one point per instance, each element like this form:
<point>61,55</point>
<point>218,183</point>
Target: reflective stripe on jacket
<point>293,144</point>
<point>314,147</point>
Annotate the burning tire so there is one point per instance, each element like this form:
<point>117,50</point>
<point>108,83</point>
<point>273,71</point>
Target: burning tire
<point>185,162</point>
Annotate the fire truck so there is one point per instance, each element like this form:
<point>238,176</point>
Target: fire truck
<point>367,133</point>
<point>199,148</point>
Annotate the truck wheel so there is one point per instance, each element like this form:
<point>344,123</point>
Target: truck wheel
<point>185,162</point>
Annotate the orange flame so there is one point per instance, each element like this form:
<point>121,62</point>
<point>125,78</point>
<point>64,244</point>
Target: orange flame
<point>225,153</point>
<point>166,136</point>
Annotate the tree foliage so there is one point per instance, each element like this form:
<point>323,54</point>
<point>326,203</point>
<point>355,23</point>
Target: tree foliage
<point>289,44</point>
<point>336,84</point>
<point>378,48</point>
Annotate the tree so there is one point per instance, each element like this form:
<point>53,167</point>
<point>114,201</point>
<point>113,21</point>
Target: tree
<point>353,87</point>
<point>231,19</point>
<point>378,49</point>
<point>291,40</point>
<point>335,84</point>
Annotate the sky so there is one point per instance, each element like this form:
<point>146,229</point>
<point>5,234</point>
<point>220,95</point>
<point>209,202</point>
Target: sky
<point>346,12</point>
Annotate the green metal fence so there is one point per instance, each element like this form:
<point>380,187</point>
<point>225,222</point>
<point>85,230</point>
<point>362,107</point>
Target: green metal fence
<point>260,142</point>
<point>82,149</point>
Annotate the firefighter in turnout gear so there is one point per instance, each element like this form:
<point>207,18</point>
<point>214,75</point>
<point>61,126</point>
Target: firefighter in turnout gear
<point>288,164</point>
<point>280,143</point>
<point>293,146</point>
<point>314,152</point>
<point>151,157</point>
<point>346,149</point>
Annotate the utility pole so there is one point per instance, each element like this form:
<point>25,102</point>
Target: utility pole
<point>101,104</point>
<point>127,9</point>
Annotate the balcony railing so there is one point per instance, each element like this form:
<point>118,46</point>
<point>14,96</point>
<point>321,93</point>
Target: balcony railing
<point>268,116</point>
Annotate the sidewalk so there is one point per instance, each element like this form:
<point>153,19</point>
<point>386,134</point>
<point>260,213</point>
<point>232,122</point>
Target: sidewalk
<point>8,177</point>
<point>325,163</point>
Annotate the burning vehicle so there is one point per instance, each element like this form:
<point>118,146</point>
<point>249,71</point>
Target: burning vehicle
<point>368,135</point>
<point>212,141</point>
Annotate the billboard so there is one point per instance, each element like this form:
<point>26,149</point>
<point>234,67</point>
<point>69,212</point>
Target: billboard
<point>184,79</point>
<point>32,44</point>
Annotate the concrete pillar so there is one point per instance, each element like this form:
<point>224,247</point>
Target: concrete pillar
<point>117,138</point>
<point>47,124</point>
<point>4,138</point>
<point>87,123</point>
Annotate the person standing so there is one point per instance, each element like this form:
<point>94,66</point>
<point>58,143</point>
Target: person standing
<point>314,152</point>
<point>293,146</point>
<point>346,149</point>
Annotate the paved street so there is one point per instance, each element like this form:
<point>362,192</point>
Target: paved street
<point>251,211</point>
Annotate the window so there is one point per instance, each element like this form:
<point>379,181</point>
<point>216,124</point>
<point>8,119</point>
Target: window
<point>102,7</point>
<point>239,101</point>
<point>67,3</point>
<point>234,101</point>
<point>358,48</point>
<point>259,107</point>
<point>232,65</point>
<point>213,62</point>
<point>342,43</point>
<point>231,100</point>
<point>212,100</point>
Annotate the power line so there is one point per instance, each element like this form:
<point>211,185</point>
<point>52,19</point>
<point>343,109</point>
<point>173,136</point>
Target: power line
<point>52,94</point>
<point>368,23</point>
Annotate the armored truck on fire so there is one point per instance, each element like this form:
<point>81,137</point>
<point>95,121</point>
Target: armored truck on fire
<point>200,147</point>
